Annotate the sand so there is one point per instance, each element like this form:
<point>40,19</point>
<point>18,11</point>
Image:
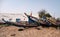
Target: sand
<point>12,31</point>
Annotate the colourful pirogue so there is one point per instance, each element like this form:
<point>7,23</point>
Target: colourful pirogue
<point>35,22</point>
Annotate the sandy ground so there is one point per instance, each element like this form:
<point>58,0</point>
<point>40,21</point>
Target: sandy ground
<point>12,31</point>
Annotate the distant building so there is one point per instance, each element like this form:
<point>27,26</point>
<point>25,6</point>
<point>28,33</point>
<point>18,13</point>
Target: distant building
<point>12,17</point>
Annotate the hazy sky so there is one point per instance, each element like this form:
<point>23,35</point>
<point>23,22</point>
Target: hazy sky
<point>21,6</point>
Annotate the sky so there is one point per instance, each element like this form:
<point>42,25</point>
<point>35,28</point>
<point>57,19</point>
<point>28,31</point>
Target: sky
<point>21,6</point>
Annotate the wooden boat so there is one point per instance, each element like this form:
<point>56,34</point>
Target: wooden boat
<point>35,23</point>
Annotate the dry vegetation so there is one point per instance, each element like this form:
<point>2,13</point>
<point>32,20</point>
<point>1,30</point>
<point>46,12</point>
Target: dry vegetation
<point>12,31</point>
